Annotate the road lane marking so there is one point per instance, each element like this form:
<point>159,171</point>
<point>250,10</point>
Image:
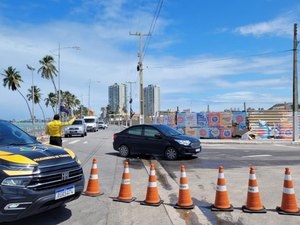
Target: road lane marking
<point>253,156</point>
<point>73,142</point>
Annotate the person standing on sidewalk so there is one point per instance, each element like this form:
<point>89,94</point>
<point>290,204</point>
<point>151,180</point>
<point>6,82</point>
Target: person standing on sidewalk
<point>54,129</point>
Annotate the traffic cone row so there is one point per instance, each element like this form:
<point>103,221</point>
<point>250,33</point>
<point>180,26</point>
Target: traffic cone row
<point>253,204</point>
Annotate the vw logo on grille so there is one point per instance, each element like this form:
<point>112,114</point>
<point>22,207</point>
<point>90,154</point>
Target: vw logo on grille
<point>65,175</point>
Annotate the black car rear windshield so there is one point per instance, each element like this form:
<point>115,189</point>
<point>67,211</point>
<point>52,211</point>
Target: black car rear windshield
<point>168,131</point>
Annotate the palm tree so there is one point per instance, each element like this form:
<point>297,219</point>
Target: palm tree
<point>51,100</point>
<point>48,69</point>
<point>12,80</point>
<point>37,98</point>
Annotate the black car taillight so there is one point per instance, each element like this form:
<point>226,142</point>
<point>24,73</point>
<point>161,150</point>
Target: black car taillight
<point>115,136</point>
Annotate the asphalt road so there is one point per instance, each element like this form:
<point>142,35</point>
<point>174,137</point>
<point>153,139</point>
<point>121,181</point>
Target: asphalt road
<point>269,161</point>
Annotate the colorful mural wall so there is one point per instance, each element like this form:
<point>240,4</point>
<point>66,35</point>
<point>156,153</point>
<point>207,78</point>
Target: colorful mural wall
<point>222,125</point>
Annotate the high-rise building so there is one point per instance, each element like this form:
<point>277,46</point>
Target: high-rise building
<point>151,100</point>
<point>117,98</point>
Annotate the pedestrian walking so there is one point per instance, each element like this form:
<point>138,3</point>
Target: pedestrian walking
<point>54,129</point>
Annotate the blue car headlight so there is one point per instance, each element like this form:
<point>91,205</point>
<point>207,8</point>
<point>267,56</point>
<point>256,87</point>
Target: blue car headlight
<point>183,142</point>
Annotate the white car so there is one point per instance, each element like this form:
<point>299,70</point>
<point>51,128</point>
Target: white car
<point>102,125</point>
<point>78,128</point>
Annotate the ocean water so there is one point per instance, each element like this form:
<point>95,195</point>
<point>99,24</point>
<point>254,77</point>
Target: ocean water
<point>28,127</point>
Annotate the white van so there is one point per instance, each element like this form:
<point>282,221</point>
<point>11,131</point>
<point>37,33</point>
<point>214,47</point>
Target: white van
<point>91,123</point>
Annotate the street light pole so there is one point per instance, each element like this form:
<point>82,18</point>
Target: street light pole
<point>89,103</point>
<point>32,92</point>
<point>59,75</point>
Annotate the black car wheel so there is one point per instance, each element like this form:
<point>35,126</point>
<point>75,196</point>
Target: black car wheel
<point>124,151</point>
<point>171,153</point>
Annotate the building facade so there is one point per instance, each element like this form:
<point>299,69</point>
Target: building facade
<point>117,98</point>
<point>151,100</point>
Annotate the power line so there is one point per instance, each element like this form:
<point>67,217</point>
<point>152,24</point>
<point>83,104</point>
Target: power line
<point>152,26</point>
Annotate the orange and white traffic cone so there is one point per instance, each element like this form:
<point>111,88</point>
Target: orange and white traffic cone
<point>288,202</point>
<point>253,204</point>
<point>221,199</point>
<point>93,184</point>
<point>184,198</point>
<point>152,197</point>
<point>125,187</point>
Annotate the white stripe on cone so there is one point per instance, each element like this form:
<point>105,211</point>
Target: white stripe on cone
<point>93,176</point>
<point>125,181</point>
<point>253,189</point>
<point>94,166</point>
<point>221,175</point>
<point>221,188</point>
<point>288,190</point>
<point>287,177</point>
<point>152,184</point>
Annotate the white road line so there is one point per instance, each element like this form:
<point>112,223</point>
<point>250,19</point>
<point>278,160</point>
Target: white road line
<point>73,142</point>
<point>253,156</point>
<point>85,142</point>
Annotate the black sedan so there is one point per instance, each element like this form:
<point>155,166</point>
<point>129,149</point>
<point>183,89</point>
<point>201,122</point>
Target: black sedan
<point>155,139</point>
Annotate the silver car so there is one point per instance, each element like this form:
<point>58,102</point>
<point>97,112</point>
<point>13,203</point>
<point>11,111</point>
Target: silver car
<point>78,128</point>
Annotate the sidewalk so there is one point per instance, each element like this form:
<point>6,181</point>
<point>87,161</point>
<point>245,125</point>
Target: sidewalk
<point>255,141</point>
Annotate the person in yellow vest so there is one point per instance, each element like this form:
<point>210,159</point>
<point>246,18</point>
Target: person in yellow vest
<point>54,129</point>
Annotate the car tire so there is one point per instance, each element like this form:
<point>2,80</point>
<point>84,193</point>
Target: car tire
<point>82,135</point>
<point>85,133</point>
<point>124,151</point>
<point>171,153</point>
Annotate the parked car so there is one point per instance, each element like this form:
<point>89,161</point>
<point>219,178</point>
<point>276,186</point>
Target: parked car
<point>155,139</point>
<point>78,127</point>
<point>91,122</point>
<point>34,177</point>
<point>102,125</point>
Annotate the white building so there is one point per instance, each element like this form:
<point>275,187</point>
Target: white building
<point>117,98</point>
<point>151,100</point>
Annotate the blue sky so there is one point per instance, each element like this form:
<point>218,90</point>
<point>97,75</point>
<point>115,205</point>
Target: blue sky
<point>217,53</point>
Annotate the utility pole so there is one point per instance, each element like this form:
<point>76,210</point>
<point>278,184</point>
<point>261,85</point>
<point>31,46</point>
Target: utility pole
<point>140,70</point>
<point>295,88</point>
<point>130,102</point>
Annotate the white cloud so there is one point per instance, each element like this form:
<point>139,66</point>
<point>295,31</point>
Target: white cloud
<point>280,26</point>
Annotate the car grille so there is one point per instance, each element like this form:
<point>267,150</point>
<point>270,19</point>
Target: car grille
<point>73,128</point>
<point>63,175</point>
<point>195,145</point>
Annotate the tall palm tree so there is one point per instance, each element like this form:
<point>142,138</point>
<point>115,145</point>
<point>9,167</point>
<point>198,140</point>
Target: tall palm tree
<point>48,69</point>
<point>51,100</point>
<point>12,80</point>
<point>70,99</point>
<point>37,97</point>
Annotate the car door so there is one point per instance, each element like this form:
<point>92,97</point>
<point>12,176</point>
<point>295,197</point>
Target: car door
<point>133,139</point>
<point>152,144</point>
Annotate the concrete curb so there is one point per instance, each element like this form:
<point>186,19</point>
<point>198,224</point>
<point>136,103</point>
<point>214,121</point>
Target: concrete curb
<point>241,141</point>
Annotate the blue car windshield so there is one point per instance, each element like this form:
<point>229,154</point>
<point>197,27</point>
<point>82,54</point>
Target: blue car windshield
<point>169,131</point>
<point>13,135</point>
